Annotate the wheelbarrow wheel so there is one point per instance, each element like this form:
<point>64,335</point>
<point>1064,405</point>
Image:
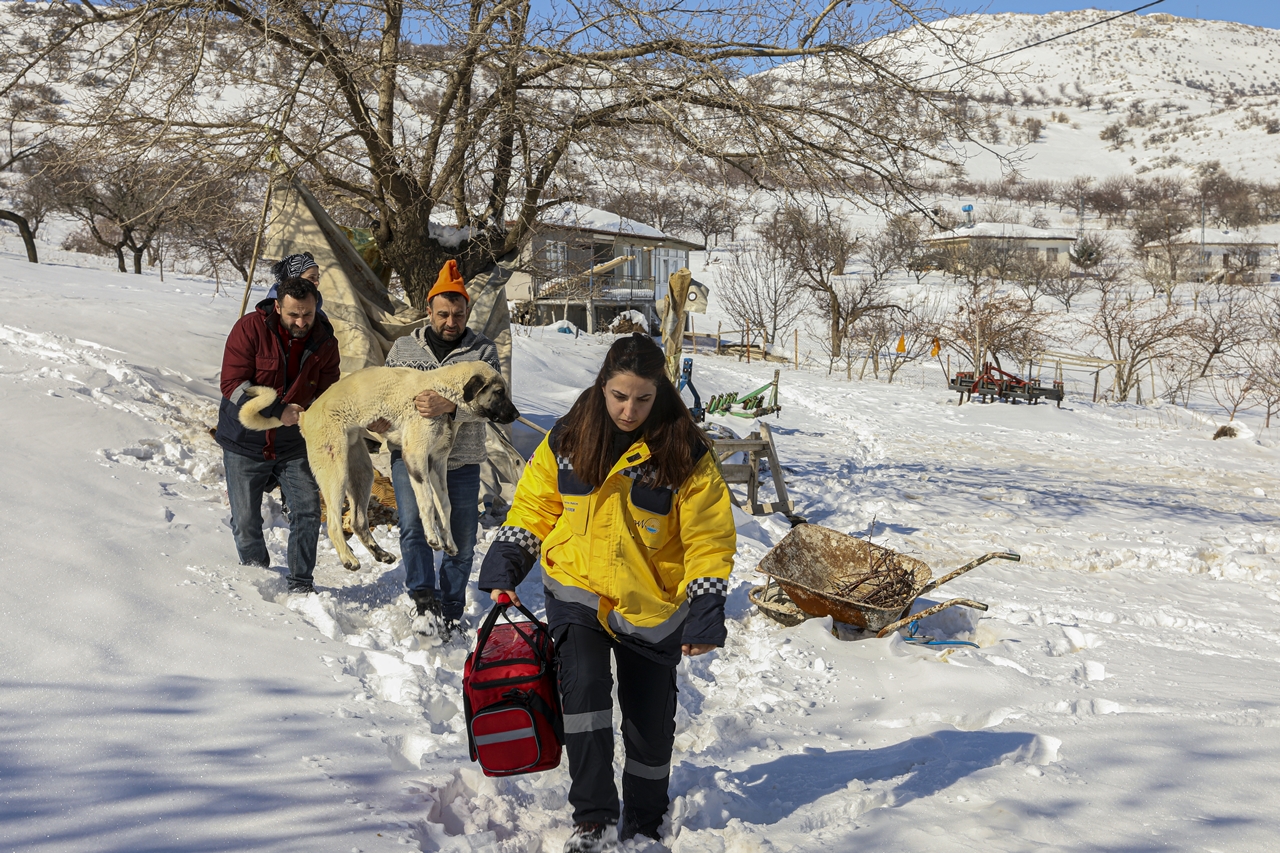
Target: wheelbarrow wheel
<point>773,602</point>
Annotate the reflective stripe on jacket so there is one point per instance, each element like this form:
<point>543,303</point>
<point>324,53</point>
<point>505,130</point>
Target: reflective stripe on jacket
<point>640,557</point>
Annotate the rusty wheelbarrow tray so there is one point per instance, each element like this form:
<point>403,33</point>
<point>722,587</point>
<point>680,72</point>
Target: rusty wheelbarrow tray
<point>827,573</point>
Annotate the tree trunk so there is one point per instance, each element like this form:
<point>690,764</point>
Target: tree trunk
<point>836,336</point>
<point>417,256</point>
<point>120,259</point>
<point>137,260</point>
<point>24,228</point>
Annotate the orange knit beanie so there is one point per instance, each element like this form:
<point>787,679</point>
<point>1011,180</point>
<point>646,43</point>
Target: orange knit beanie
<point>449,281</point>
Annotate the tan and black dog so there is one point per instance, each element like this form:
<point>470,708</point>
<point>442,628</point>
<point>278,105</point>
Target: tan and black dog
<point>334,425</point>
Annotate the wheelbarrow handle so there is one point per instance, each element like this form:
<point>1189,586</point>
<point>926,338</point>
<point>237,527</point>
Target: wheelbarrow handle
<point>972,564</point>
<point>929,611</point>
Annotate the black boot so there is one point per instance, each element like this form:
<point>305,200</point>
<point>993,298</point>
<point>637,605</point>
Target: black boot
<point>593,838</point>
<point>425,601</point>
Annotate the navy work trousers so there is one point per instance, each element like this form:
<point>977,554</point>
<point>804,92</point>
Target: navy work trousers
<point>647,694</point>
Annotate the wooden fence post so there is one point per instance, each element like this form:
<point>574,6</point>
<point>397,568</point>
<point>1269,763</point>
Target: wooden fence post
<point>718,325</point>
<point>797,336</point>
<point>747,337</point>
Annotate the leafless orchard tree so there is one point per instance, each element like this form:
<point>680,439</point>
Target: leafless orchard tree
<point>979,264</point>
<point>915,328</point>
<point>124,202</point>
<point>1234,387</point>
<point>20,146</point>
<point>818,245</point>
<point>759,288</point>
<point>994,323</point>
<point>469,110</point>
<point>1163,261</point>
<point>1037,276</point>
<point>1263,359</point>
<point>220,230</point>
<point>710,214</point>
<point>868,337</point>
<point>1263,354</point>
<point>1226,320</point>
<point>1135,331</point>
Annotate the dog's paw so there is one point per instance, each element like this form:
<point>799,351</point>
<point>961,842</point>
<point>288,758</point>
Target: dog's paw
<point>351,565</point>
<point>384,556</point>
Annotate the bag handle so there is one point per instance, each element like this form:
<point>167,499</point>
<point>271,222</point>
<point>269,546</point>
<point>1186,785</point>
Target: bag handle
<point>500,609</point>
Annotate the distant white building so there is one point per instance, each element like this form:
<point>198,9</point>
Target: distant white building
<point>1050,245</point>
<point>593,265</point>
<point>1221,253</point>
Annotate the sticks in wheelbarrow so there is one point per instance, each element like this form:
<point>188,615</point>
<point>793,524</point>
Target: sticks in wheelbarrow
<point>929,611</point>
<point>973,564</point>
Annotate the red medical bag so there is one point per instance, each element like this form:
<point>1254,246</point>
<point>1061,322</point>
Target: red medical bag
<point>512,705</point>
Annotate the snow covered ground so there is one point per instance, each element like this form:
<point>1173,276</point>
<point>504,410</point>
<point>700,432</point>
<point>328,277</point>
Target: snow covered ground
<point>157,696</point>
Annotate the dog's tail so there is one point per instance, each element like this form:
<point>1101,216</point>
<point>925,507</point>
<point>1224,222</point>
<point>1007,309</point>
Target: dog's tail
<point>261,397</point>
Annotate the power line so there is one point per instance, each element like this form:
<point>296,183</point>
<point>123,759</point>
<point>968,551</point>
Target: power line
<point>1038,43</point>
<point>995,56</point>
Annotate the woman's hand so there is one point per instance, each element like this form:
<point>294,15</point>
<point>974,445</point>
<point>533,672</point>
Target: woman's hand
<point>695,649</point>
<point>380,426</point>
<point>509,593</point>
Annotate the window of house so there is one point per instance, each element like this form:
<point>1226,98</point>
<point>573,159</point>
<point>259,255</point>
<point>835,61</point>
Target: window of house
<point>555,255</point>
<point>665,262</point>
<point>1051,255</point>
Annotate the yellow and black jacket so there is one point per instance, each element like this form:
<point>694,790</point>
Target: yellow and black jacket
<point>649,565</point>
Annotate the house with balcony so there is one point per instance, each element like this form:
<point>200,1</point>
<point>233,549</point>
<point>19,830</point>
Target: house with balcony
<point>588,266</point>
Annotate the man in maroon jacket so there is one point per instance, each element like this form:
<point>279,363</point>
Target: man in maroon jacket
<point>288,344</point>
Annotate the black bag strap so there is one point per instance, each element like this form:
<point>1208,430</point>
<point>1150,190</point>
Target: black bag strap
<point>537,703</point>
<point>500,609</point>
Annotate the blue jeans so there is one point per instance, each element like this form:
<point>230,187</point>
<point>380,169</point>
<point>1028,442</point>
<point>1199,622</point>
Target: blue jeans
<point>246,479</point>
<point>418,558</point>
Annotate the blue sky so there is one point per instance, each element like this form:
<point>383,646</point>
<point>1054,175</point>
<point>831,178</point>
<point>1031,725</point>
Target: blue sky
<point>1260,13</point>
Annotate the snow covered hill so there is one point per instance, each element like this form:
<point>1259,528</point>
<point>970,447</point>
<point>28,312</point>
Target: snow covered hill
<point>157,696</point>
<point>1187,91</point>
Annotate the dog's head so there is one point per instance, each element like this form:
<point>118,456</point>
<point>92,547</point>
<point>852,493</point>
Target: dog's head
<point>487,394</point>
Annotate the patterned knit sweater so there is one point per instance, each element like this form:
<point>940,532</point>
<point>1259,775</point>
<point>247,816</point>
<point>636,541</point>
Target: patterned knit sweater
<point>413,351</point>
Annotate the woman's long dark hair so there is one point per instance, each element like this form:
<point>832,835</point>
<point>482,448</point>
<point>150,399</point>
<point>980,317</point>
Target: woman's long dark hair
<point>586,433</point>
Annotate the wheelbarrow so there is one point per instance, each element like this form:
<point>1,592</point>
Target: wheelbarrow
<point>816,571</point>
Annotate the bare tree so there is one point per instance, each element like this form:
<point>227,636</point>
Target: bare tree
<point>221,230</point>
<point>122,200</point>
<point>415,109</point>
<point>922,322</point>
<point>1234,388</point>
<point>19,146</point>
<point>819,246</point>
<point>979,263</point>
<point>1134,332</point>
<point>710,214</point>
<point>1226,320</point>
<point>992,323</point>
<point>1166,261</point>
<point>1263,359</point>
<point>870,336</point>
<point>758,288</point>
<point>1036,275</point>
<point>651,201</point>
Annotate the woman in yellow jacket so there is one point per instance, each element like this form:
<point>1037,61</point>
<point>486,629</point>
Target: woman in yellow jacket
<point>625,504</point>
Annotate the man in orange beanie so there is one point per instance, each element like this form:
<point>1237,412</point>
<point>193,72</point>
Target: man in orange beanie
<point>447,340</point>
